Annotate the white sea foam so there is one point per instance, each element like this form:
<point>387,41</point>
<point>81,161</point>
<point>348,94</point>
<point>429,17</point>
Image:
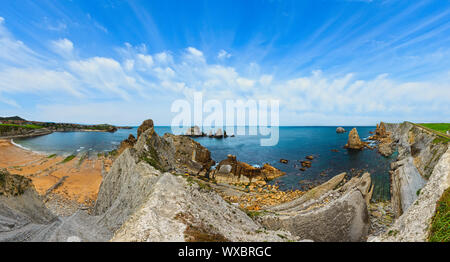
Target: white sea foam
<point>26,148</point>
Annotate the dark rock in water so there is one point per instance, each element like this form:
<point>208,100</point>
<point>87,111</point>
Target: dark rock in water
<point>147,124</point>
<point>310,157</point>
<point>334,150</point>
<point>302,169</point>
<point>284,161</point>
<point>340,130</point>
<point>306,163</point>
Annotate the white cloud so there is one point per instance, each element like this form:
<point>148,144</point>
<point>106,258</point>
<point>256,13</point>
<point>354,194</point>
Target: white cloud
<point>164,58</point>
<point>265,80</point>
<point>25,80</point>
<point>129,64</point>
<point>63,47</point>
<point>245,83</point>
<point>105,75</point>
<point>194,51</point>
<point>143,78</point>
<point>146,61</point>
<point>223,54</point>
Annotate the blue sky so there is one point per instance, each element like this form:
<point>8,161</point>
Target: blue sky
<point>328,62</point>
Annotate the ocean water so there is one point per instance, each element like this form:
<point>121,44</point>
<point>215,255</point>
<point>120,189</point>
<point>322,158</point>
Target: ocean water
<point>295,143</point>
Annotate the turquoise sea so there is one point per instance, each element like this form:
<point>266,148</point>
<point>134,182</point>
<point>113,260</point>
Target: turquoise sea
<point>295,143</point>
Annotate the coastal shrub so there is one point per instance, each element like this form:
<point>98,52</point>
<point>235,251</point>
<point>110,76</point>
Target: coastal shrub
<point>153,162</point>
<point>51,156</point>
<point>67,159</point>
<point>441,140</point>
<point>440,225</point>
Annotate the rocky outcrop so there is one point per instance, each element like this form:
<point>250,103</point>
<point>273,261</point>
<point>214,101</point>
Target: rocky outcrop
<point>340,130</point>
<point>127,143</point>
<point>334,211</point>
<point>147,124</point>
<point>179,154</point>
<point>24,217</point>
<point>418,154</point>
<point>232,171</point>
<point>138,202</point>
<point>354,142</point>
<point>414,223</point>
<point>13,185</point>
<point>386,144</point>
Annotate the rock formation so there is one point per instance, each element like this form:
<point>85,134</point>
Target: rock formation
<point>144,126</point>
<point>137,201</point>
<point>329,212</point>
<point>194,132</point>
<point>418,155</point>
<point>219,133</point>
<point>414,224</point>
<point>385,145</point>
<point>232,171</point>
<point>13,185</point>
<point>354,142</point>
<point>127,143</point>
<point>340,130</point>
<point>419,177</point>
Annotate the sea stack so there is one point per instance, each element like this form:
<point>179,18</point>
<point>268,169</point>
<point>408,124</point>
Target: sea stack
<point>194,131</point>
<point>354,142</point>
<point>219,133</point>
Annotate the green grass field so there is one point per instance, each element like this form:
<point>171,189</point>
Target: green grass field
<point>24,126</point>
<point>440,127</point>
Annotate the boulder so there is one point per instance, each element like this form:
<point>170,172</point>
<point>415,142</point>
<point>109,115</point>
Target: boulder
<point>340,130</point>
<point>284,161</point>
<point>306,163</point>
<point>310,157</point>
<point>354,142</point>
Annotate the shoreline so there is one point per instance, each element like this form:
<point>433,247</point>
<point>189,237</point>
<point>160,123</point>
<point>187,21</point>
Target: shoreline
<point>83,175</point>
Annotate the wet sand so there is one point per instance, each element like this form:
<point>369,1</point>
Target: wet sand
<point>83,176</point>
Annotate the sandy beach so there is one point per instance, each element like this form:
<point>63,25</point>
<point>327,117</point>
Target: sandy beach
<point>83,176</point>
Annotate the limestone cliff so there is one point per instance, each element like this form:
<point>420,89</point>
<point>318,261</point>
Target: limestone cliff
<point>418,179</point>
